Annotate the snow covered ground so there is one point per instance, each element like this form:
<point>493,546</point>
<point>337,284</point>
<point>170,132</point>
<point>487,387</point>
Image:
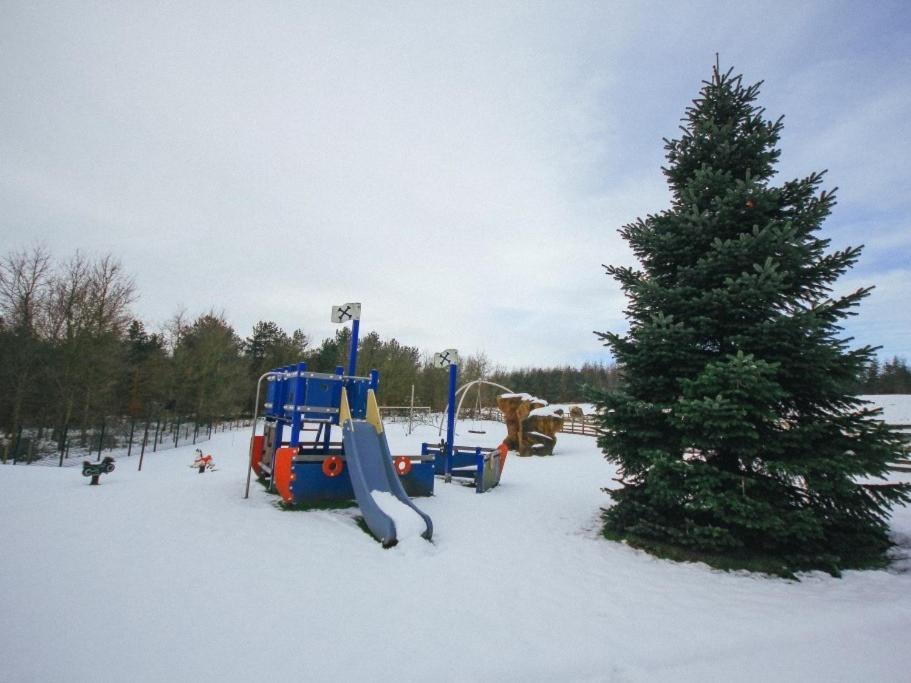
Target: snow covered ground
<point>896,407</point>
<point>169,575</point>
<point>587,408</point>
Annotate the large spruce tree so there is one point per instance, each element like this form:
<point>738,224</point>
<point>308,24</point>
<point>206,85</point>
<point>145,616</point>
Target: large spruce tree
<point>736,432</point>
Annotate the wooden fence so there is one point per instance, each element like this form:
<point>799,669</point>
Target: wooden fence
<point>580,425</point>
<point>116,435</point>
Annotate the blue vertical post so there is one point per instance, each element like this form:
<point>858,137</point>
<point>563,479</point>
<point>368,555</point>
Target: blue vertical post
<point>327,436</point>
<point>327,428</point>
<point>297,401</point>
<point>276,393</point>
<point>269,405</point>
<point>281,396</point>
<point>352,356</point>
<point>450,419</point>
<point>374,379</point>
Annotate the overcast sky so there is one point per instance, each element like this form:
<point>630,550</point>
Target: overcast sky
<point>461,169</point>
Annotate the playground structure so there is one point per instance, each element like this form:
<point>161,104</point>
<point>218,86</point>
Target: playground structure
<point>483,466</point>
<point>318,470</point>
<point>296,455</point>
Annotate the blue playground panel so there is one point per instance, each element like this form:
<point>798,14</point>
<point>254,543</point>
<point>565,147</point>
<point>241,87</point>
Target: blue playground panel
<point>419,481</point>
<point>470,462</point>
<point>311,486</point>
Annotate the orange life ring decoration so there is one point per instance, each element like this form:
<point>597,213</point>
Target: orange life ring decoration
<point>402,465</point>
<point>333,466</point>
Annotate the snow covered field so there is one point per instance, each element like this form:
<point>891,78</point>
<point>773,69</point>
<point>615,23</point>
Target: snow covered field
<point>168,575</point>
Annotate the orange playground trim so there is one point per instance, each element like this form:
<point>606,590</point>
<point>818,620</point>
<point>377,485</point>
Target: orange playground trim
<point>503,449</point>
<point>256,446</point>
<point>282,471</point>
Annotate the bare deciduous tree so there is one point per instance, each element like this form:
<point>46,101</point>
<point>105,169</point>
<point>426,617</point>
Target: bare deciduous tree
<point>24,285</point>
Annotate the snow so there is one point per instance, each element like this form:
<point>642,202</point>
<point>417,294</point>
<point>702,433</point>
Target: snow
<point>168,574</point>
<point>547,411</point>
<point>587,408</point>
<point>408,523</point>
<point>896,407</point>
<point>525,397</point>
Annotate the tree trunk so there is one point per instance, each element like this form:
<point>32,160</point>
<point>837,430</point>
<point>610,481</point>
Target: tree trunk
<point>85,418</point>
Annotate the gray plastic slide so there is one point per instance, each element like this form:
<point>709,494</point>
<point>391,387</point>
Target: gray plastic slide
<point>370,466</point>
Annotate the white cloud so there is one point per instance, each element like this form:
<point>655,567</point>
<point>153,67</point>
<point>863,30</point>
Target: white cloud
<point>462,170</point>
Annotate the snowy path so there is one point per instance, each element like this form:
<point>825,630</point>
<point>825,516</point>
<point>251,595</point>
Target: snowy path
<point>168,575</point>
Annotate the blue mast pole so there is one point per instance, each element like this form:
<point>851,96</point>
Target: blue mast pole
<point>374,379</point>
<point>450,419</point>
<point>352,356</point>
<point>297,401</point>
<point>281,396</point>
<point>340,371</point>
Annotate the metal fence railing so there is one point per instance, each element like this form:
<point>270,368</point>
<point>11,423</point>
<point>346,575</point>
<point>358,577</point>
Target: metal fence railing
<point>119,437</point>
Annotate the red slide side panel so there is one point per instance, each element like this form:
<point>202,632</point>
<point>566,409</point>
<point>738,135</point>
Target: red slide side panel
<point>283,473</point>
<point>256,448</point>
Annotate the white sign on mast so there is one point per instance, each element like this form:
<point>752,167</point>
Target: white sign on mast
<point>346,312</point>
<point>444,359</point>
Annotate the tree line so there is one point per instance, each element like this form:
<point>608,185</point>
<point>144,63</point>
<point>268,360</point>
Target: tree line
<point>890,377</point>
<point>72,355</point>
<point>563,384</point>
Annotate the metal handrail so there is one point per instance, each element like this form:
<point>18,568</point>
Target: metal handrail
<point>253,436</point>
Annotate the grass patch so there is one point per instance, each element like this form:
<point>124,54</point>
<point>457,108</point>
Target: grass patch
<point>322,505</point>
<point>362,525</point>
<point>667,551</point>
<point>743,561</point>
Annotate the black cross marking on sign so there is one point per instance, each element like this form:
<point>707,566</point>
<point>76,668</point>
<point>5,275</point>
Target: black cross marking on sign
<point>345,312</point>
<point>445,357</point>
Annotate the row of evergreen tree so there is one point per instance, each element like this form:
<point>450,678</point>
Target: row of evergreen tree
<point>72,355</point>
<point>563,384</point>
<point>890,377</point>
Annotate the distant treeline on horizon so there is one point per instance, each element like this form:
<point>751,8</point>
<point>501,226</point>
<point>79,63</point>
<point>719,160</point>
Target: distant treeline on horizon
<point>73,355</point>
